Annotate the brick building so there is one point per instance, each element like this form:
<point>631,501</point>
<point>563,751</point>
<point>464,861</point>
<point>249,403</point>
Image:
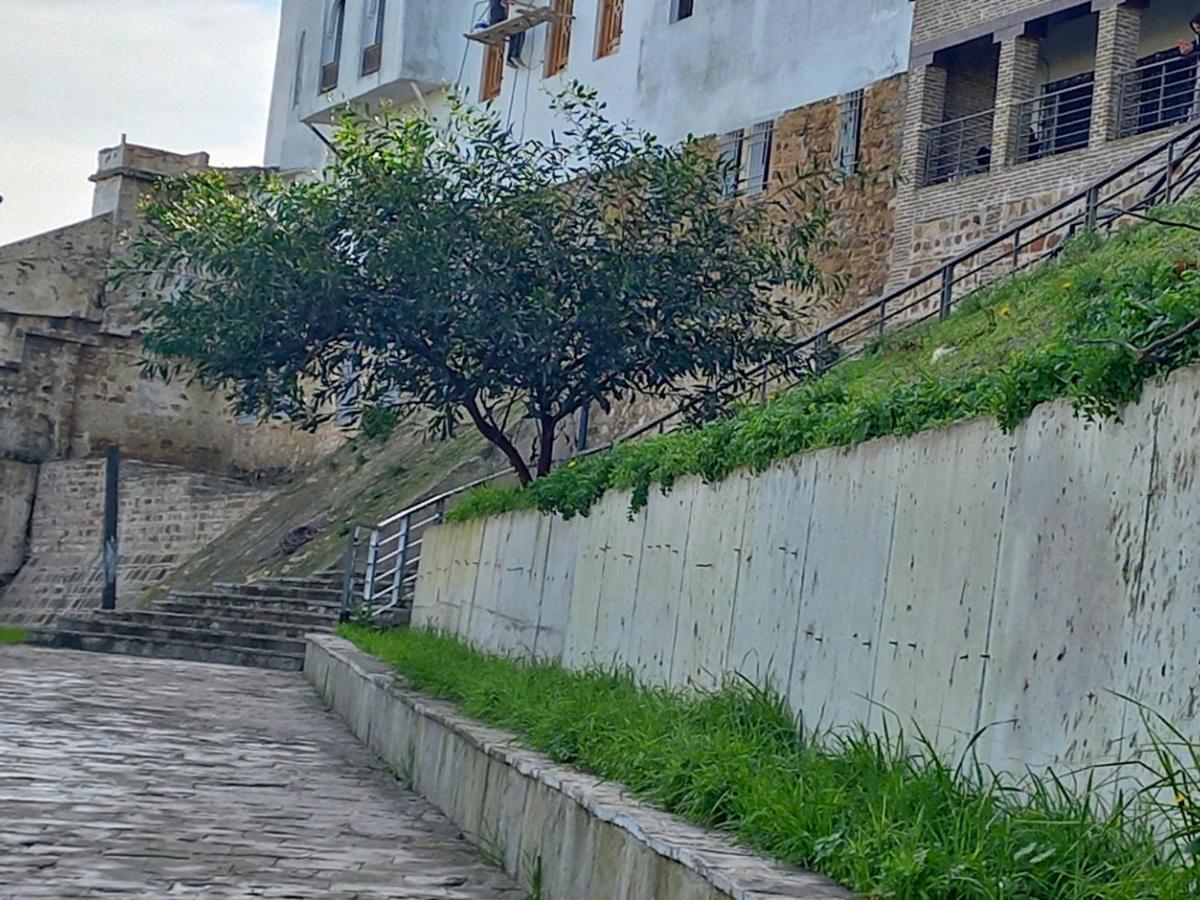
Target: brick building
<point>1014,105</point>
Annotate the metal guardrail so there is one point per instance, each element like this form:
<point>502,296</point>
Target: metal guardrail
<point>957,148</point>
<point>1158,94</point>
<point>1054,123</point>
<point>382,560</point>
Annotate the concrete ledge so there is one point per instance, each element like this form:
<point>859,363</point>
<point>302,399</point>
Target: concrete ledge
<point>592,839</point>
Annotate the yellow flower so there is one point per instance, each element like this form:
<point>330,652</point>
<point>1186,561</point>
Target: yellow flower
<point>1004,310</point>
<point>1066,285</point>
<point>1180,800</point>
<point>572,464</point>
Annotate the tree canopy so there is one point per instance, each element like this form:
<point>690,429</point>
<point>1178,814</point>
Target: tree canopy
<point>449,266</point>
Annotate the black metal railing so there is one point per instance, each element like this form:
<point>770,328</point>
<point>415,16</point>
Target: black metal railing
<point>382,561</point>
<point>1157,95</point>
<point>1054,123</point>
<point>957,148</point>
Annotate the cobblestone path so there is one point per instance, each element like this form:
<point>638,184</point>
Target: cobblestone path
<point>146,778</point>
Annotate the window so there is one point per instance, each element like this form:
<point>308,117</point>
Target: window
<point>558,43</point>
<point>1060,119</point>
<point>850,133</point>
<point>608,35</point>
<point>372,54</point>
<point>331,47</point>
<point>493,72</point>
<point>298,83</point>
<point>746,159</point>
<point>682,9</point>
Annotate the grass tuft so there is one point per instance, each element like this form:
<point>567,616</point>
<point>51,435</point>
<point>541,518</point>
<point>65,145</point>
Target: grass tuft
<point>1063,330</point>
<point>883,818</point>
<point>12,636</point>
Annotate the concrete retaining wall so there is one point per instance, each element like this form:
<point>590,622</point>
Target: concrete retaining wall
<point>960,578</point>
<point>593,841</point>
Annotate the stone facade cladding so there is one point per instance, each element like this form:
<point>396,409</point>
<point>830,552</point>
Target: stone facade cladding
<point>938,18</point>
<point>165,515</point>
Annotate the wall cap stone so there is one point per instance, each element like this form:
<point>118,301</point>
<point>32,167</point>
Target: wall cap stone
<point>709,854</point>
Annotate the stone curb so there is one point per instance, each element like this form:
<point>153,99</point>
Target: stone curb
<point>725,869</point>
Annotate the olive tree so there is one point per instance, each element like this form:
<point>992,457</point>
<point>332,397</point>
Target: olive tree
<point>446,265</point>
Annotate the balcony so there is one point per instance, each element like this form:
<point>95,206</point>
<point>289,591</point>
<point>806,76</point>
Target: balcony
<point>957,148</point>
<point>1058,121</point>
<point>1157,94</point>
<point>421,51</point>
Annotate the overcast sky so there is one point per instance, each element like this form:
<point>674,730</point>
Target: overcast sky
<point>75,74</point>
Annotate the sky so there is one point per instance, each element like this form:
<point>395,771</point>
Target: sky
<point>76,74</point>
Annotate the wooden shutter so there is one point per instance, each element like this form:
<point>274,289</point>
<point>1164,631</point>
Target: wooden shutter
<point>611,19</point>
<point>558,45</point>
<point>493,72</point>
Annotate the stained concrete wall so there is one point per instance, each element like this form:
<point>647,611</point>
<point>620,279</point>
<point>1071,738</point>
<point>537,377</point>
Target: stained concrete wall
<point>960,578</point>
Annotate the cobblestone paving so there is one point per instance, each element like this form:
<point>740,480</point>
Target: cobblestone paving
<point>146,778</point>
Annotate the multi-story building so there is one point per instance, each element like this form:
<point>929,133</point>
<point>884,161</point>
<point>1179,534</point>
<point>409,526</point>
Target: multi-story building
<point>774,82</point>
<point>1014,105</point>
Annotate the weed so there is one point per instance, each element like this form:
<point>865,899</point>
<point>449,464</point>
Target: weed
<point>879,813</point>
<point>492,846</point>
<point>537,878</point>
<point>1065,330</point>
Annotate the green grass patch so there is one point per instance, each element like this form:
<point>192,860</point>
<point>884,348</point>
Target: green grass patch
<point>1064,330</point>
<point>883,818</point>
<point>12,636</point>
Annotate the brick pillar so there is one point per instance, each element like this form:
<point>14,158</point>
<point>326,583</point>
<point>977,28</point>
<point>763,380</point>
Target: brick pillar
<point>1014,85</point>
<point>1117,38</point>
<point>926,106</point>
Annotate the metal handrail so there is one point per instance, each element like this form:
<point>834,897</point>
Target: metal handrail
<point>957,148</point>
<point>1157,95</point>
<point>1032,240</point>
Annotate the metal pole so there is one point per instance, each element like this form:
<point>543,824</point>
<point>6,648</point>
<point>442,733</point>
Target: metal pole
<point>1093,208</point>
<point>348,578</point>
<point>947,291</point>
<point>401,559</point>
<point>372,556</point>
<point>581,440</point>
<point>112,471</point>
<point>1170,171</point>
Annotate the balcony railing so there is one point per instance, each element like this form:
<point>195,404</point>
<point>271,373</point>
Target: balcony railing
<point>1054,123</point>
<point>957,148</point>
<point>329,76</point>
<point>1158,94</point>
<point>372,57</point>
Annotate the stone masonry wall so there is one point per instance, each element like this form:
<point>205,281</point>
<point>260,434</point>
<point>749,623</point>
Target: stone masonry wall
<point>166,514</point>
<point>18,481</point>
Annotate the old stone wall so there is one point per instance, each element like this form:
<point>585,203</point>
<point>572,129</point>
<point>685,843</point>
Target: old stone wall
<point>961,578</point>
<point>165,515</point>
<point>18,482</point>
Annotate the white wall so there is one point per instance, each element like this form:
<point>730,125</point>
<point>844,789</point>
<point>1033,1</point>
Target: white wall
<point>733,63</point>
<point>960,578</point>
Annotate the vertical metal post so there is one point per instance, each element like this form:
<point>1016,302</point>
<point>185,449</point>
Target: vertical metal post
<point>581,439</point>
<point>348,578</point>
<point>372,559</point>
<point>1016,256</point>
<point>882,315</point>
<point>1170,172</point>
<point>947,299</point>
<point>1093,208</point>
<point>401,559</point>
<point>112,471</point>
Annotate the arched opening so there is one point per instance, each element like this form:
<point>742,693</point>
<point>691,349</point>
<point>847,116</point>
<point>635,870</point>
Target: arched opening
<point>372,42</point>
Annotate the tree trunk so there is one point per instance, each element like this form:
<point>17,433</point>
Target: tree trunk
<point>546,446</point>
<point>497,437</point>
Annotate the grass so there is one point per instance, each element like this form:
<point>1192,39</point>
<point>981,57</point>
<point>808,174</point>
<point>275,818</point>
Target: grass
<point>886,821</point>
<point>12,636</point>
<point>1064,330</point>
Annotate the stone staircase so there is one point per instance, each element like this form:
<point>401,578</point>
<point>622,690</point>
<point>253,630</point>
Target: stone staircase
<point>260,624</point>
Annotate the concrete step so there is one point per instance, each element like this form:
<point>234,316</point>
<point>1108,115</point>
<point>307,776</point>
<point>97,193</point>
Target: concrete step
<point>219,623</point>
<point>257,612</point>
<point>130,645</point>
<point>278,591</point>
<point>288,604</point>
<point>119,627</point>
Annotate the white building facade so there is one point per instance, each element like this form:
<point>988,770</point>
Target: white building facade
<point>672,67</point>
